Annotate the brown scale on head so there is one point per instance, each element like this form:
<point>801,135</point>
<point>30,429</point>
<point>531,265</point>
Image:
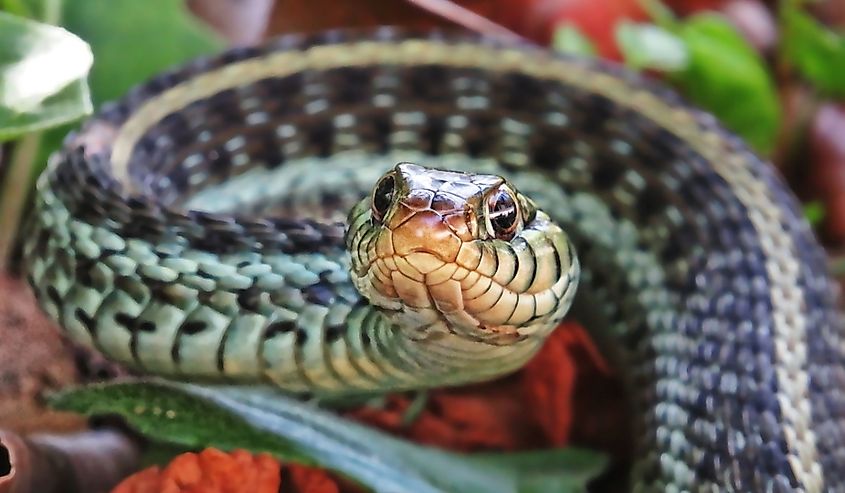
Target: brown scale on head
<point>461,253</point>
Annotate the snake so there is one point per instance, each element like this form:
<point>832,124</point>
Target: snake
<point>382,210</point>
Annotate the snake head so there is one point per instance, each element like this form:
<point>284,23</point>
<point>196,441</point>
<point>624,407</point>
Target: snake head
<point>460,253</point>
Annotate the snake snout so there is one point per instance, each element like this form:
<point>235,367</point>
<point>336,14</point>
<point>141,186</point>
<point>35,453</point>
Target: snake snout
<point>416,258</point>
<point>424,231</point>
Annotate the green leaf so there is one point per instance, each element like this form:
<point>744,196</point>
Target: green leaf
<point>713,64</point>
<point>816,51</point>
<point>260,419</point>
<point>569,39</point>
<point>564,470</point>
<point>69,104</point>
<point>42,76</point>
<point>47,11</point>
<point>814,212</point>
<point>647,46</point>
<point>661,14</point>
<point>726,76</point>
<point>16,7</point>
<point>134,40</point>
<point>166,414</point>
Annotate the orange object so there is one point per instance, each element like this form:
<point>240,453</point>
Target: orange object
<point>549,384</point>
<point>573,396</point>
<point>567,382</point>
<point>213,471</point>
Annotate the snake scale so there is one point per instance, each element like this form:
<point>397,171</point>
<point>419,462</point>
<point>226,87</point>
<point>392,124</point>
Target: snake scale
<point>198,229</point>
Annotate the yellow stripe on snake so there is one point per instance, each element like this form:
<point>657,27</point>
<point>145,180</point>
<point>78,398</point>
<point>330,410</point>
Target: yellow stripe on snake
<point>200,228</point>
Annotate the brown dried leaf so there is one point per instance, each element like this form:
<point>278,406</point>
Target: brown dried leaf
<point>33,358</point>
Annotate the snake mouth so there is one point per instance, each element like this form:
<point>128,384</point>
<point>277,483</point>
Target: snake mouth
<point>465,299</point>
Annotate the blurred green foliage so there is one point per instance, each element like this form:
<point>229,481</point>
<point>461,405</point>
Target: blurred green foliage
<point>715,68</point>
<point>816,51</point>
<point>814,212</point>
<point>569,39</point>
<point>134,40</point>
<point>652,47</point>
<point>728,77</point>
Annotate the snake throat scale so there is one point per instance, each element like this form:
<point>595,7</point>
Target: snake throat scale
<point>351,212</point>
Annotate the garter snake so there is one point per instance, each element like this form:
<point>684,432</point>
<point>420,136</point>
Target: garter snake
<point>198,229</point>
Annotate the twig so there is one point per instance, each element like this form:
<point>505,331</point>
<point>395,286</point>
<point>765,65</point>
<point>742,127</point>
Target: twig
<point>14,190</point>
<point>14,193</point>
<point>464,17</point>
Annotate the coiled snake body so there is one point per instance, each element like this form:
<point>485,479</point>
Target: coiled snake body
<point>196,229</point>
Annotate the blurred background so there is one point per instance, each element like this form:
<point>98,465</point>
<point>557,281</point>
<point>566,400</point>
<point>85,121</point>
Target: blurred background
<point>773,72</point>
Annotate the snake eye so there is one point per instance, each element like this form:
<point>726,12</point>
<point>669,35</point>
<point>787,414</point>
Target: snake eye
<point>503,214</point>
<point>382,196</point>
